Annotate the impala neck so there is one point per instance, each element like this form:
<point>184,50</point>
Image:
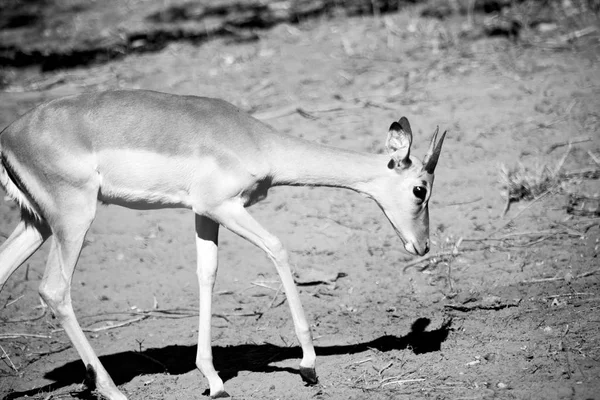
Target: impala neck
<point>298,162</point>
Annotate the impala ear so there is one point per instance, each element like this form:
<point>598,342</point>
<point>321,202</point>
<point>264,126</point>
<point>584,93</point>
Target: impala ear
<point>433,154</point>
<point>398,143</point>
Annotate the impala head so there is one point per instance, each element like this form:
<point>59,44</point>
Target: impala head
<point>404,193</point>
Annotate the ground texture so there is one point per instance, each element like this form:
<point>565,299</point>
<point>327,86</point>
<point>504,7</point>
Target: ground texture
<point>507,307</point>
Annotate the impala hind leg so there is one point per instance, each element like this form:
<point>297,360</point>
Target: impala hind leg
<point>207,232</point>
<point>20,245</point>
<point>235,218</point>
<point>69,233</point>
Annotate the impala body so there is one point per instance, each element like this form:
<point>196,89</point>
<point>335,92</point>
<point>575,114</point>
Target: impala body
<point>150,150</point>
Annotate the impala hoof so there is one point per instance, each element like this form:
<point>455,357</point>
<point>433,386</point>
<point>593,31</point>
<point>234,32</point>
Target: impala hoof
<point>219,395</point>
<point>309,375</point>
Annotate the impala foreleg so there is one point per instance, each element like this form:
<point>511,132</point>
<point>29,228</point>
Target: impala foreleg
<point>235,218</point>
<point>207,232</point>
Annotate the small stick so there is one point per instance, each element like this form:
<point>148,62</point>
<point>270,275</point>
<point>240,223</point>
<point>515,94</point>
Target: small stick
<point>460,203</point>
<point>567,37</point>
<point>452,252</point>
<point>360,362</point>
<point>403,381</point>
<point>264,286</point>
<point>14,301</point>
<point>8,358</point>
<point>562,160</point>
<point>28,319</point>
<point>274,297</point>
<point>124,323</point>
<point>594,157</point>
<point>541,196</point>
<point>48,352</point>
<point>550,232</point>
<point>555,146</point>
<point>560,278</point>
<point>252,314</point>
<point>570,294</point>
<point>506,204</point>
<point>110,326</point>
<point>20,335</point>
<point>384,368</point>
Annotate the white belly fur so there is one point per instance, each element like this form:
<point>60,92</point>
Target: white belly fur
<point>146,180</point>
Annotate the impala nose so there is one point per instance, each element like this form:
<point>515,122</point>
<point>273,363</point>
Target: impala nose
<point>413,248</point>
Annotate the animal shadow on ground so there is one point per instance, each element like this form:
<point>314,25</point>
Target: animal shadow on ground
<point>230,360</point>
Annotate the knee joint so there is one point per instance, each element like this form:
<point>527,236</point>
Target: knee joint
<point>276,250</point>
<point>55,298</point>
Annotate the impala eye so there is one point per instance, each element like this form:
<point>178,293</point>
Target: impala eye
<point>420,192</point>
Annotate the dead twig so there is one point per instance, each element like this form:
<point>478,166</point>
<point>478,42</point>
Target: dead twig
<point>309,113</point>
<point>152,359</point>
<point>259,284</point>
<point>9,303</point>
<point>252,314</point>
<point>426,258</point>
<point>554,296</point>
<point>274,297</point>
<point>460,203</point>
<point>403,381</point>
<point>594,157</point>
<point>545,235</point>
<point>562,160</point>
<point>21,335</point>
<point>506,205</point>
<point>452,253</point>
<point>568,37</point>
<point>14,321</point>
<point>110,325</point>
<point>384,368</point>
<point>555,146</point>
<point>359,362</point>
<point>533,202</point>
<point>490,303</point>
<point>5,355</point>
<point>549,232</point>
<point>48,352</point>
<point>561,278</point>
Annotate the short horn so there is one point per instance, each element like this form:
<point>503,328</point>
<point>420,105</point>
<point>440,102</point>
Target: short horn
<point>435,148</point>
<point>431,145</point>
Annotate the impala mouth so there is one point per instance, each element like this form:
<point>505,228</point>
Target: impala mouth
<point>410,248</point>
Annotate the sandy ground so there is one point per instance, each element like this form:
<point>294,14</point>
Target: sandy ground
<point>512,313</point>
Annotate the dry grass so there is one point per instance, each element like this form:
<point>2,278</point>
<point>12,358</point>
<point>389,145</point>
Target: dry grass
<point>526,183</point>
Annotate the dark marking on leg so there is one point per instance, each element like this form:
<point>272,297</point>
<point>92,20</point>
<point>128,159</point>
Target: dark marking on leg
<point>90,377</point>
<point>220,395</point>
<point>309,375</point>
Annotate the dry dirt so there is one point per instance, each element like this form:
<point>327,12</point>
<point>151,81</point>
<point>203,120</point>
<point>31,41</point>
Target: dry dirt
<point>482,322</point>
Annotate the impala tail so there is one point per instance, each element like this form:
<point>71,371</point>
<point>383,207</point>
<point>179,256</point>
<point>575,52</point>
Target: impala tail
<point>14,187</point>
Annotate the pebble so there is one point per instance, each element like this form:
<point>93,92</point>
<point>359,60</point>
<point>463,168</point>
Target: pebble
<point>568,277</point>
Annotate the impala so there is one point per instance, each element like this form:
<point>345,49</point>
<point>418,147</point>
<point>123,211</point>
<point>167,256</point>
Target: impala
<point>150,150</point>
